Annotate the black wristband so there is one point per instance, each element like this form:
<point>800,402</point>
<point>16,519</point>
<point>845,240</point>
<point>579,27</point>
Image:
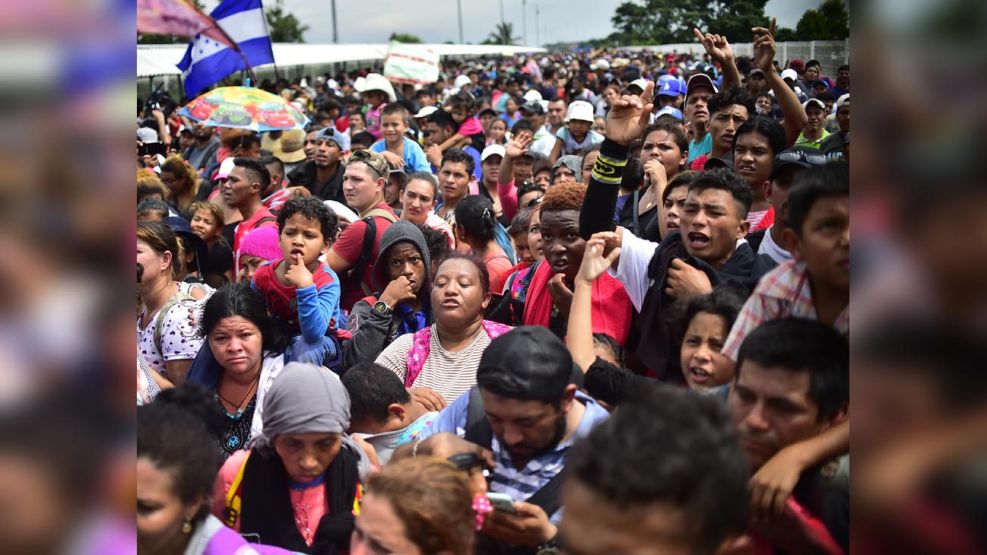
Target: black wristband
<point>613,150</point>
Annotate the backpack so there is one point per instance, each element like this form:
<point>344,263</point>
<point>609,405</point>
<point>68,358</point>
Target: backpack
<point>160,318</point>
<point>421,345</point>
<point>354,274</point>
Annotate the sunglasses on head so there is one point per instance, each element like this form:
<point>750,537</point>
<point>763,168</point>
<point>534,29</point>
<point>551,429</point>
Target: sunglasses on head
<point>533,202</point>
<point>804,157</point>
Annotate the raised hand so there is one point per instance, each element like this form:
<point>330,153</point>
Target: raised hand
<point>296,273</point>
<point>716,46</point>
<point>629,116</point>
<point>519,144</point>
<point>594,262</point>
<point>765,47</point>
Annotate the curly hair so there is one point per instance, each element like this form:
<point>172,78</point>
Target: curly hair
<point>176,165</point>
<point>311,208</point>
<point>566,196</point>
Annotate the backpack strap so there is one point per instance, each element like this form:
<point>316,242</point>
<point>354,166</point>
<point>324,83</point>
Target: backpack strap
<point>233,497</point>
<point>420,347</point>
<point>355,272</point>
<point>549,497</point>
<point>160,318</point>
<point>478,428</point>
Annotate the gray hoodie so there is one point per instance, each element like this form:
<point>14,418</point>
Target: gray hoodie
<point>371,331</point>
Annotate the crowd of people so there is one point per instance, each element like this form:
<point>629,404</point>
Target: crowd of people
<point>582,303</point>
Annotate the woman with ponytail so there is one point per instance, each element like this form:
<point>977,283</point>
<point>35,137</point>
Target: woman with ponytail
<point>476,226</point>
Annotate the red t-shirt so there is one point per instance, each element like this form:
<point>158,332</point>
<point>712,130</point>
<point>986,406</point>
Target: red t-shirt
<point>348,247</point>
<point>282,300</point>
<point>247,226</point>
<point>499,268</point>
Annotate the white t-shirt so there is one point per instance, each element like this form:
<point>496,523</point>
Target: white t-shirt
<point>632,267</point>
<point>179,339</point>
<point>270,368</point>
<point>772,249</point>
<point>449,374</point>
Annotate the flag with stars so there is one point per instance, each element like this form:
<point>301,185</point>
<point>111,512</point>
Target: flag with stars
<point>207,61</point>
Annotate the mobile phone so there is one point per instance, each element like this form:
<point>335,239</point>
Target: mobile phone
<point>502,502</point>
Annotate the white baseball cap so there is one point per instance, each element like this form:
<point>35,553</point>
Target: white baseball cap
<point>641,83</point>
<point>492,150</point>
<point>579,110</point>
<point>462,81</point>
<point>532,96</point>
<point>790,74</point>
<point>225,168</point>
<point>425,112</point>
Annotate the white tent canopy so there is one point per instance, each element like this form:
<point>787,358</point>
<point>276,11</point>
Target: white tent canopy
<point>155,60</point>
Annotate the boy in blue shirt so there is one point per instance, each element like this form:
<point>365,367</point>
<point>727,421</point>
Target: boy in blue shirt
<point>397,148</point>
<point>299,288</point>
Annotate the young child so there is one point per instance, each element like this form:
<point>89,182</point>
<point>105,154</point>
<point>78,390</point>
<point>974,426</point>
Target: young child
<point>260,246</point>
<point>377,91</point>
<point>576,135</point>
<point>300,289</point>
<point>462,107</point>
<point>381,410</point>
<point>397,148</point>
<point>207,223</point>
<point>519,236</point>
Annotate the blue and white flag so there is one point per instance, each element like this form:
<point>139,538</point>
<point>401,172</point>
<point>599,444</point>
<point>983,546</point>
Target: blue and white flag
<point>207,61</point>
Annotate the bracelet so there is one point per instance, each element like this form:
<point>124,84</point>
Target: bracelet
<point>608,170</point>
<point>414,450</point>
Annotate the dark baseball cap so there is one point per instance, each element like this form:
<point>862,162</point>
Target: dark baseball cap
<point>528,363</point>
<point>800,156</point>
<point>533,107</point>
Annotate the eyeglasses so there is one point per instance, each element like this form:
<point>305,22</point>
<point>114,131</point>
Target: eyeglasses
<point>802,156</point>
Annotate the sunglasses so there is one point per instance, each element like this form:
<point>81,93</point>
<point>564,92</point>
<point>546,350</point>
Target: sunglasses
<point>533,202</point>
<point>804,157</point>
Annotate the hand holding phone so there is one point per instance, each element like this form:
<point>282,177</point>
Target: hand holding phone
<point>502,502</point>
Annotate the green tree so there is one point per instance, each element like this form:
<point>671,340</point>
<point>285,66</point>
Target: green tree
<point>405,38</point>
<point>284,27</point>
<point>830,22</point>
<point>666,21</point>
<point>502,34</point>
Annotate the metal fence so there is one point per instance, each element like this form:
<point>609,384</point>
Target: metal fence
<point>830,53</point>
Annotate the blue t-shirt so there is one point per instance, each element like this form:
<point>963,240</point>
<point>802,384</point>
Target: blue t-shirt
<point>705,146</point>
<point>414,156</point>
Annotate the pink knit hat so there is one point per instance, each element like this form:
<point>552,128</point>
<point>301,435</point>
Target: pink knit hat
<point>263,243</point>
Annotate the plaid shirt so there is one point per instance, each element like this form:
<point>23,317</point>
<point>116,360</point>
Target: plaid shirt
<point>784,292</point>
<point>506,478</point>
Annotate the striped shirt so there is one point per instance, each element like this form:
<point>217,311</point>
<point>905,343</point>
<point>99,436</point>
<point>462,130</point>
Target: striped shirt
<point>506,478</point>
<point>449,374</point>
<point>782,293</point>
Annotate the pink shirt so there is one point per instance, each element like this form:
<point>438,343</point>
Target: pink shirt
<point>309,504</point>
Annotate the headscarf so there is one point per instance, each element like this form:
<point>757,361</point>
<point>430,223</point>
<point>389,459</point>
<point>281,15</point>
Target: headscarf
<point>304,399</point>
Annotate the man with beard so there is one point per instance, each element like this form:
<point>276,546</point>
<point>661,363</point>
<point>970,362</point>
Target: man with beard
<point>202,150</point>
<point>524,400</point>
<point>323,175</point>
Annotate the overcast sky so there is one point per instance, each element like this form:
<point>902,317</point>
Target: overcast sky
<point>435,20</point>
